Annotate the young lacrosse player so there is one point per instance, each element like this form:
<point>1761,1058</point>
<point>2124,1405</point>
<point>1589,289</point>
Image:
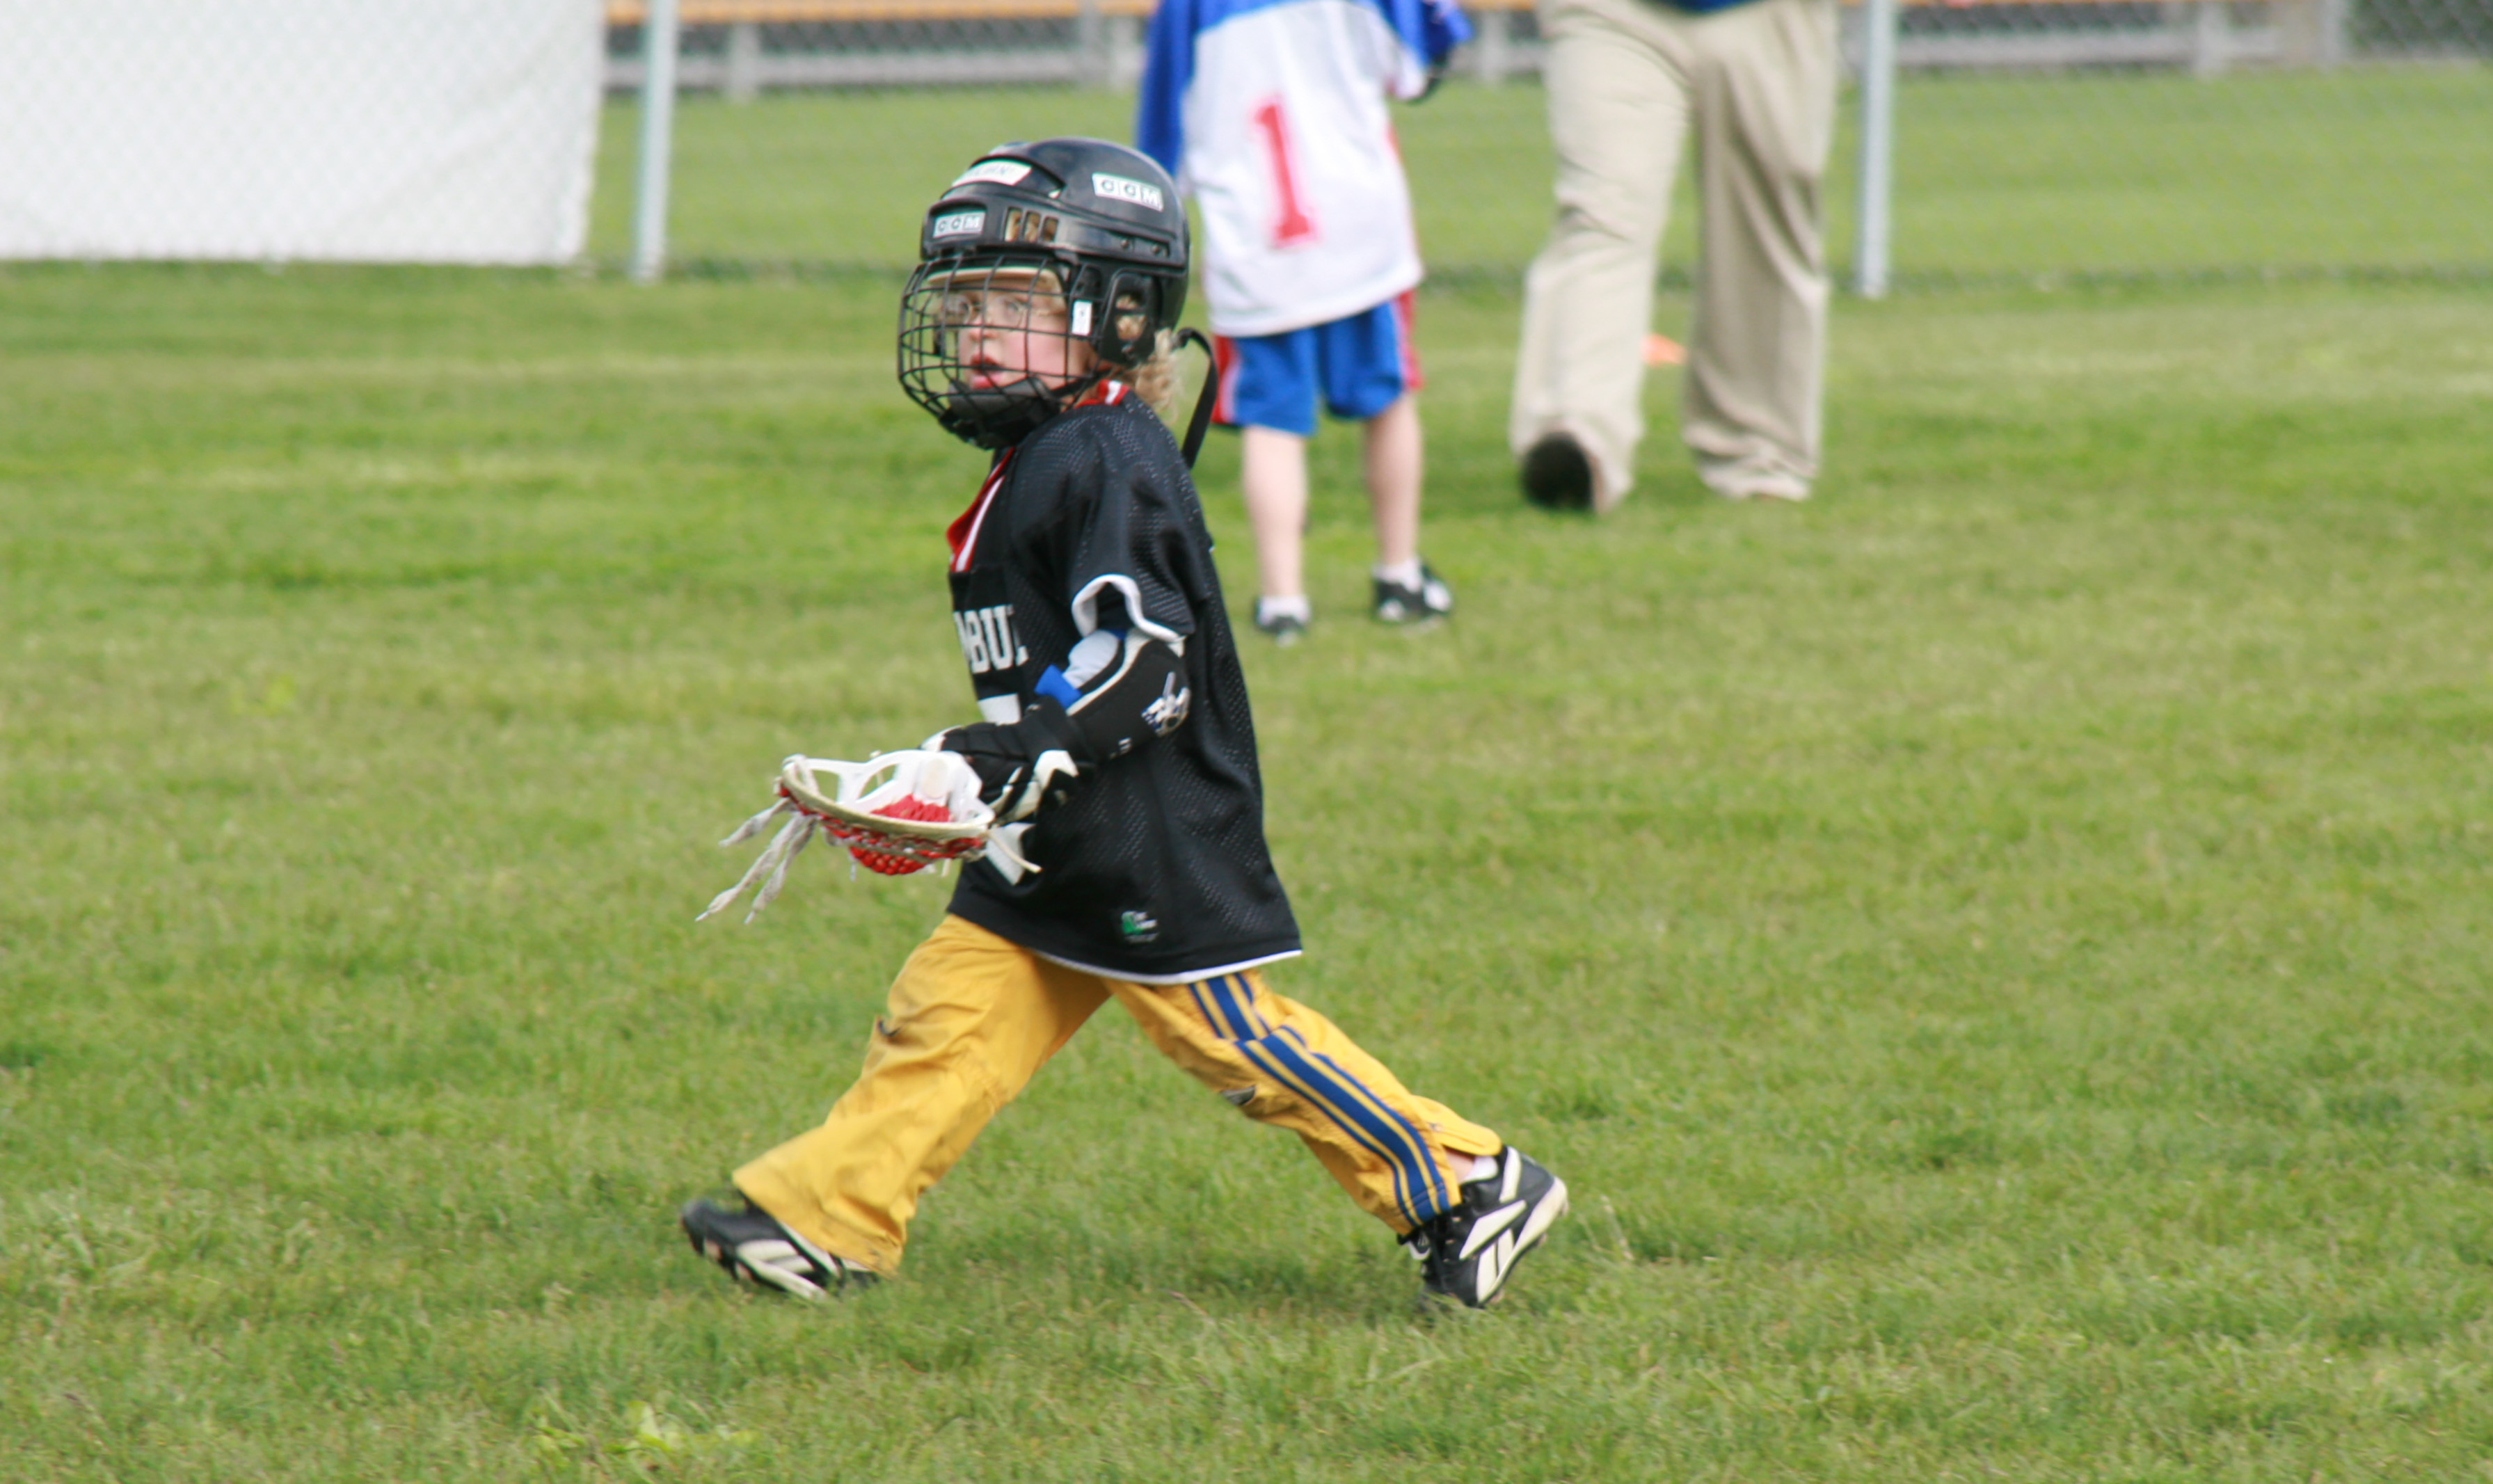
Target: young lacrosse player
<point>1118,758</point>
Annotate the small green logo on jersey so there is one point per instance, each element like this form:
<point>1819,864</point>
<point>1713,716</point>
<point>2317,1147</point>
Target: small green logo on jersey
<point>1138,927</point>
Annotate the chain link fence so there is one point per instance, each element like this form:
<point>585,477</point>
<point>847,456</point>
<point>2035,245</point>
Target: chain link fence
<point>2113,138</point>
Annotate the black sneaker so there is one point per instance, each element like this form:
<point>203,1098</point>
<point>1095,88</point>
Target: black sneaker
<point>1468,1253</point>
<point>1398,603</point>
<point>1557,475</point>
<point>754,1248</point>
<point>1283,629</point>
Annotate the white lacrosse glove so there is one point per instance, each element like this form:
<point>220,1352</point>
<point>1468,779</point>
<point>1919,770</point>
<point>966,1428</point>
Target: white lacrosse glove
<point>897,813</point>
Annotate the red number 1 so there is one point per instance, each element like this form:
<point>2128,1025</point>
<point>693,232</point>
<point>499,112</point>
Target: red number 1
<point>1291,225</point>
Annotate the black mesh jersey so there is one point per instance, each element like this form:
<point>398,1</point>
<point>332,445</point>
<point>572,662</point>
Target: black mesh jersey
<point>1152,866</point>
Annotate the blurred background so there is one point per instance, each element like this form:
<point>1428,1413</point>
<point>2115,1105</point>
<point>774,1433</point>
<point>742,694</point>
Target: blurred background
<point>2174,137</point>
<point>2111,137</point>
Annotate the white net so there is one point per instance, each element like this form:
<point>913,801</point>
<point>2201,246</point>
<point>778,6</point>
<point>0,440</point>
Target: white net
<point>455,131</point>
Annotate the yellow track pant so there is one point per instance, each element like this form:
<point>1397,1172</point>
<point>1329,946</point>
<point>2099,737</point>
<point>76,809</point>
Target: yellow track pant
<point>972,1017</point>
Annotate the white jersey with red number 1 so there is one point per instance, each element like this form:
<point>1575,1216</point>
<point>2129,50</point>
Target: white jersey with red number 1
<point>1271,113</point>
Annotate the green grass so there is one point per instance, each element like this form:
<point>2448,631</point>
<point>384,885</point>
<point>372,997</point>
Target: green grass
<point>2136,172</point>
<point>2162,172</point>
<point>2000,951</point>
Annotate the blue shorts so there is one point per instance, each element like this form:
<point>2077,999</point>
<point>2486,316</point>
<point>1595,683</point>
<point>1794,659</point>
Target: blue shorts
<point>1364,362</point>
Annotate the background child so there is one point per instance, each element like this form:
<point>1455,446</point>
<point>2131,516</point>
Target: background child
<point>1117,742</point>
<point>1272,112</point>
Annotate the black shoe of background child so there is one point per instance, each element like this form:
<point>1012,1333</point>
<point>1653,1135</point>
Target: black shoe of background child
<point>1468,1253</point>
<point>1283,629</point>
<point>755,1248</point>
<point>1398,603</point>
<point>1557,475</point>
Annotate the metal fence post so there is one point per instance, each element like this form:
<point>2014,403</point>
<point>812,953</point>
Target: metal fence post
<point>1125,52</point>
<point>1872,222</point>
<point>659,35</point>
<point>2334,32</point>
<point>1090,42</point>
<point>743,61</point>
<point>1493,45</point>
<point>2211,43</point>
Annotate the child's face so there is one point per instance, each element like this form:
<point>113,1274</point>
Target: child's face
<point>1010,325</point>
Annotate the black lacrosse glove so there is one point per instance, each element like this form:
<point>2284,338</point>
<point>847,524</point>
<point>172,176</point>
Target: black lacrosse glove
<point>1065,731</point>
<point>1017,762</point>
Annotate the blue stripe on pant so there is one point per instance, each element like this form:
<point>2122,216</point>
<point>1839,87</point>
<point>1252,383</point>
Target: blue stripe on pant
<point>1241,997</point>
<point>1228,1008</point>
<point>1431,1182</point>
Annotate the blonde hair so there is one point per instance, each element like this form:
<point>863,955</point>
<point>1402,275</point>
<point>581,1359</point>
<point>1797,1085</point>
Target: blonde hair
<point>1156,379</point>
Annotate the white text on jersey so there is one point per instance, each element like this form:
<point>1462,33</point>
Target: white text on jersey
<point>987,639</point>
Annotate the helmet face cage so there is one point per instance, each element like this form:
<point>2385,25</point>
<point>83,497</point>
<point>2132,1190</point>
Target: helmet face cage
<point>988,347</point>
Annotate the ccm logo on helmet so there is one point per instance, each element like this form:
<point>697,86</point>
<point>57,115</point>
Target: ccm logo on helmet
<point>960,223</point>
<point>1117,187</point>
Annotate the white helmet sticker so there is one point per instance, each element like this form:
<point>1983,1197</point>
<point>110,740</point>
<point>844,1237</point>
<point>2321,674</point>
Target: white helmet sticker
<point>1081,316</point>
<point>1000,173</point>
<point>1117,187</point>
<point>960,223</point>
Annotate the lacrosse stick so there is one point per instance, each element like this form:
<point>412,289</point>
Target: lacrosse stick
<point>897,813</point>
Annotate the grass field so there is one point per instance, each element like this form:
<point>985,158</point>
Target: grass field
<point>1996,176</point>
<point>2001,951</point>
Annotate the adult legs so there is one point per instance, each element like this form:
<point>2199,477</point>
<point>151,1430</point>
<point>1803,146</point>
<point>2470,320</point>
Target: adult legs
<point>1618,115</point>
<point>971,1019</point>
<point>1765,119</point>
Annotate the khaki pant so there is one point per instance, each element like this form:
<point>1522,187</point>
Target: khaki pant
<point>1627,81</point>
<point>974,1016</point>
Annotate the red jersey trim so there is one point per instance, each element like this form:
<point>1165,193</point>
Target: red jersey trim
<point>963,532</point>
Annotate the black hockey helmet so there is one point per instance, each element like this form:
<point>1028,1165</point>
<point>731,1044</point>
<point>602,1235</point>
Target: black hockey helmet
<point>1079,242</point>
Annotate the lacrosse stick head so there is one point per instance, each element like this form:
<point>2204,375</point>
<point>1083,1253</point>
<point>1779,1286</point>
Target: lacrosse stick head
<point>898,813</point>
